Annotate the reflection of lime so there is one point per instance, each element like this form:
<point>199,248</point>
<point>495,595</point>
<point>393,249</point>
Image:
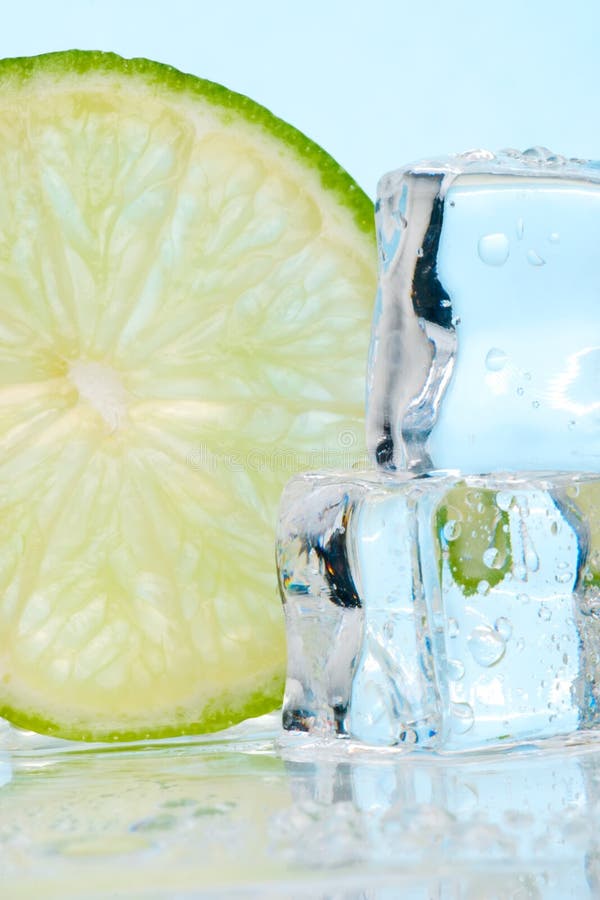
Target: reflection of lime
<point>186,285</point>
<point>474,533</point>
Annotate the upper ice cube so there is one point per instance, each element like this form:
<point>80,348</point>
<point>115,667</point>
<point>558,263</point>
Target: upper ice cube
<point>486,336</point>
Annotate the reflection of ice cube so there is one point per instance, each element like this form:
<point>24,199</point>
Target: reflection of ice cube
<point>486,343</point>
<point>449,612</point>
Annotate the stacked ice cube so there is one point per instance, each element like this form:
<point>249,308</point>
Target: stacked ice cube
<point>427,602</point>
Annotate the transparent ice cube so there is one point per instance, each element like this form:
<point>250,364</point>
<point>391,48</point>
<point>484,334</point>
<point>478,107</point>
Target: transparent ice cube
<point>486,336</point>
<point>445,611</point>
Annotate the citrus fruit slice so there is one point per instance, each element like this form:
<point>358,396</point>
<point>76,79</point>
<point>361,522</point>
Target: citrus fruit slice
<point>185,293</point>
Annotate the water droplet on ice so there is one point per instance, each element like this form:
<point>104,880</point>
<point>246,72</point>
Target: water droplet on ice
<point>535,259</point>
<point>486,645</point>
<point>451,530</point>
<point>544,612</point>
<point>504,627</point>
<point>493,249</point>
<point>496,359</point>
<point>461,717</point>
<point>453,628</point>
<point>456,669</point>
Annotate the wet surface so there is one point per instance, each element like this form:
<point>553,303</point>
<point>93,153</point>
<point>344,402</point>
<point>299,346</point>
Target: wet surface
<point>252,813</point>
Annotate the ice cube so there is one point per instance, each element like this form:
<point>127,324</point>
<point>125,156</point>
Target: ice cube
<point>446,611</point>
<point>486,336</point>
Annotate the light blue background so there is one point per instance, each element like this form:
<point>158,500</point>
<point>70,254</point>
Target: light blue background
<point>377,82</point>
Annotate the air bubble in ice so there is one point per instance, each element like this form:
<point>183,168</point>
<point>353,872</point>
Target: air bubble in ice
<point>493,249</point>
<point>487,646</point>
<point>496,359</point>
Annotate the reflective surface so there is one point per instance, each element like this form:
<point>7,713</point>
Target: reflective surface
<point>253,813</point>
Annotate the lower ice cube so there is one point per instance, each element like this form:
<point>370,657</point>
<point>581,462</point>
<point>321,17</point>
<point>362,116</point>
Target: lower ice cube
<point>446,611</point>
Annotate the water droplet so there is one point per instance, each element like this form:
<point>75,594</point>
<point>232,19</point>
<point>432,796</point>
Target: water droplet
<point>476,155</point>
<point>451,530</point>
<point>590,605</point>
<point>490,557</point>
<point>554,237</point>
<point>504,500</point>
<point>461,717</point>
<point>486,645</point>
<point>420,252</point>
<point>520,391</point>
<point>409,736</point>
<point>445,303</point>
<point>456,669</point>
<point>453,628</point>
<point>544,612</point>
<point>496,359</point>
<point>483,587</point>
<point>520,228</point>
<point>504,627</point>
<point>563,576</point>
<point>532,560</point>
<point>535,404</point>
<point>520,571</point>
<point>535,259</point>
<point>493,249</point>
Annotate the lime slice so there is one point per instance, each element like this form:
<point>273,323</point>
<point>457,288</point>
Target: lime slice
<point>185,294</point>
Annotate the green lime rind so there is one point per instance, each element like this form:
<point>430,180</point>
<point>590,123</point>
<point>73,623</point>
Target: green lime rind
<point>481,526</point>
<point>216,717</point>
<point>333,177</point>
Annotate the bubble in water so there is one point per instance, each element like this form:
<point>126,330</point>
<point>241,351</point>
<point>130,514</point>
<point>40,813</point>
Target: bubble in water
<point>493,249</point>
<point>486,645</point>
<point>544,612</point>
<point>523,598</point>
<point>535,259</point>
<point>554,237</point>
<point>496,359</point>
<point>535,404</point>
<point>461,717</point>
<point>453,628</point>
<point>504,627</point>
<point>420,252</point>
<point>520,228</point>
<point>451,530</point>
<point>456,669</point>
<point>532,560</point>
<point>520,391</point>
<point>483,587</point>
<point>520,645</point>
<point>409,736</point>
